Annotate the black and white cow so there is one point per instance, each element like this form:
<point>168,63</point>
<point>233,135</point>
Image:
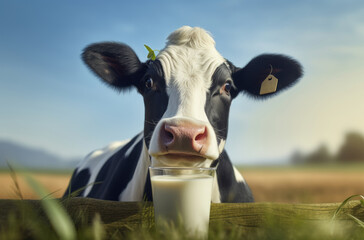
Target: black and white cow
<point>187,93</point>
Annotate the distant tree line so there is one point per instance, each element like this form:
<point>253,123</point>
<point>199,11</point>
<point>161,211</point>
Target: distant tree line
<point>352,150</point>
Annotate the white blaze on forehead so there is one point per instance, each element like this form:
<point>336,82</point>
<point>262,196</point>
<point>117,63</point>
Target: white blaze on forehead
<point>189,60</point>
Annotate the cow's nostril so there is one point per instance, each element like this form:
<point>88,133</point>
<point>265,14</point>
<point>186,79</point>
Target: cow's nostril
<point>201,136</point>
<point>168,136</point>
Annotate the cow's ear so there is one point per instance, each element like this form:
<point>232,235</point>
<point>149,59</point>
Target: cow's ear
<point>267,74</point>
<point>115,63</point>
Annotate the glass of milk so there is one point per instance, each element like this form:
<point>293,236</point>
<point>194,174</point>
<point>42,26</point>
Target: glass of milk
<point>182,197</point>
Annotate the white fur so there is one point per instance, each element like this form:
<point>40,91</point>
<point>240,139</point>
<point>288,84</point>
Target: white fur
<point>238,176</point>
<point>221,145</point>
<point>131,148</point>
<point>135,188</point>
<point>96,160</point>
<point>189,60</point>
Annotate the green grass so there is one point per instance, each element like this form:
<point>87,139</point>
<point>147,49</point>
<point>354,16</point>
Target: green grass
<point>31,226</point>
<point>56,223</point>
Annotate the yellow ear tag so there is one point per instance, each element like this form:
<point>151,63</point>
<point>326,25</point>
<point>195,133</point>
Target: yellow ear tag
<point>269,85</point>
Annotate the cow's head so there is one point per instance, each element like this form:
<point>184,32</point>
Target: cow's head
<point>187,91</point>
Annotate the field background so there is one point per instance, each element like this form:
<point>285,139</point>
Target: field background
<point>288,184</point>
<point>305,184</point>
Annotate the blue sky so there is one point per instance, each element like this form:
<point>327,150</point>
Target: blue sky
<point>50,100</point>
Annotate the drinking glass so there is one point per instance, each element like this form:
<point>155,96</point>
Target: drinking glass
<point>182,197</point>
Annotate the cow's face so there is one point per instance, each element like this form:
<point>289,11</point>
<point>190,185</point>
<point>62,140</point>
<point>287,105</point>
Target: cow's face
<point>187,92</point>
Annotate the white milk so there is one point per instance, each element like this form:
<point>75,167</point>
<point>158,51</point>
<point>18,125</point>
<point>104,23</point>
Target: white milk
<point>183,198</point>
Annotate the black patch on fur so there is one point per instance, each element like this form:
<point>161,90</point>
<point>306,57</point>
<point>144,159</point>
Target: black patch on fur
<point>155,99</point>
<point>218,102</point>
<point>249,79</point>
<point>148,196</point>
<point>231,190</point>
<point>78,181</point>
<point>117,172</point>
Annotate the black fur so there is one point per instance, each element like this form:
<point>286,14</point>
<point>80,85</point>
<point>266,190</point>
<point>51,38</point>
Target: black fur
<point>148,196</point>
<point>115,63</point>
<point>78,182</point>
<point>230,189</point>
<point>249,79</point>
<point>155,99</point>
<point>218,102</point>
<point>117,172</point>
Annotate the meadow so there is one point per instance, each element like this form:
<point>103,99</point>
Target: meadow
<point>325,183</point>
<point>284,184</point>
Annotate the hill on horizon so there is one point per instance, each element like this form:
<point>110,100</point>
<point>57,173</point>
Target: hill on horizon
<point>32,158</point>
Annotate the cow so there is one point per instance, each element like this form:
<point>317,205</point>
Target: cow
<point>187,90</point>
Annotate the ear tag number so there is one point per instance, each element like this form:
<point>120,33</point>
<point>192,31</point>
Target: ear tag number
<point>269,85</point>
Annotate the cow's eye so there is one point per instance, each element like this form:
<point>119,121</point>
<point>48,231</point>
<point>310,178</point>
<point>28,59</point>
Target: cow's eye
<point>149,83</point>
<point>227,87</point>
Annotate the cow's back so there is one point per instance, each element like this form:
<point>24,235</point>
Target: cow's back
<point>105,173</point>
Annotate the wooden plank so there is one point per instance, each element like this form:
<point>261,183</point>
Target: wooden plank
<point>131,215</point>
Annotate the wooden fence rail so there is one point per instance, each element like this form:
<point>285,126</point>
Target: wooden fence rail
<point>130,215</point>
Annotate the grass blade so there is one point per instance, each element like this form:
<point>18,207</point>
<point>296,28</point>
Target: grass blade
<point>76,192</point>
<point>357,220</point>
<point>15,181</point>
<point>50,194</point>
<point>58,217</point>
<point>97,228</point>
<point>338,210</point>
